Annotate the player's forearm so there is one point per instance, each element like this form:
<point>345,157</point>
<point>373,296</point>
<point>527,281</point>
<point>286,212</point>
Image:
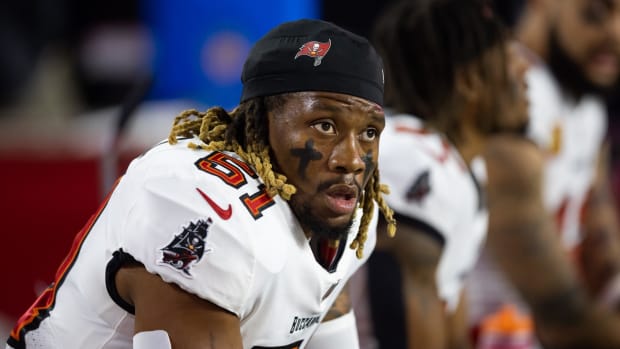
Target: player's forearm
<point>559,313</point>
<point>458,336</point>
<point>599,256</point>
<point>419,256</point>
<point>523,243</point>
<point>424,323</point>
<point>565,315</point>
<point>341,306</point>
<point>592,328</point>
<point>599,253</point>
<point>424,315</point>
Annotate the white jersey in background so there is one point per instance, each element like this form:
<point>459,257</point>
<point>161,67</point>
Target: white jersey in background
<point>570,135</point>
<point>432,188</point>
<point>203,221</point>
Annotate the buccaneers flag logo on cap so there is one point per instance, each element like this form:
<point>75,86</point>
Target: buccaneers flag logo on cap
<point>314,49</point>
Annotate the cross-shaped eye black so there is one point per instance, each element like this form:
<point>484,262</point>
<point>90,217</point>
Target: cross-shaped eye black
<point>370,165</point>
<point>306,155</point>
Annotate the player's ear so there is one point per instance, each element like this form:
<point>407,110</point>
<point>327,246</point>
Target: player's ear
<point>468,83</point>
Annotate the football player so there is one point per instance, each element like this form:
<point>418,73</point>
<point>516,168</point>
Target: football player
<point>242,229</point>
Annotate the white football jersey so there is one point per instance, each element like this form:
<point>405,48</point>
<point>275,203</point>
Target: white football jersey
<point>203,221</point>
<point>433,189</point>
<point>571,135</point>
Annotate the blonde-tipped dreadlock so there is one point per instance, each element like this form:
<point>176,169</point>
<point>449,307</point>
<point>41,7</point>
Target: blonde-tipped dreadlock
<point>212,129</point>
<point>372,193</point>
<point>244,131</point>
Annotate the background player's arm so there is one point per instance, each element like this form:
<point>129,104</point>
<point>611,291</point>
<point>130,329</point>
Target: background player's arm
<point>341,306</point>
<point>419,254</point>
<point>457,326</point>
<point>599,254</point>
<point>524,242</point>
<point>191,322</point>
<point>338,328</point>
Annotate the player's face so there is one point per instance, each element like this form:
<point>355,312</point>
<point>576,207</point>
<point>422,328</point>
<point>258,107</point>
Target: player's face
<point>514,109</point>
<point>505,105</point>
<point>327,145</point>
<point>588,34</point>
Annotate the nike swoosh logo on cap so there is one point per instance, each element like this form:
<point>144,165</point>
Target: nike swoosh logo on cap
<point>223,213</point>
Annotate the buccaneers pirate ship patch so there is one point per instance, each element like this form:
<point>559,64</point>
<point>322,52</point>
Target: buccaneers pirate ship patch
<point>420,188</point>
<point>187,248</point>
<point>314,49</point>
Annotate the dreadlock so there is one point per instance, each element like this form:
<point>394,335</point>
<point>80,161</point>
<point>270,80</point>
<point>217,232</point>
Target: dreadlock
<point>244,131</point>
<point>424,43</point>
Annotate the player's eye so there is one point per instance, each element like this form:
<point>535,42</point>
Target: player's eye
<point>595,12</point>
<point>369,134</point>
<point>325,127</point>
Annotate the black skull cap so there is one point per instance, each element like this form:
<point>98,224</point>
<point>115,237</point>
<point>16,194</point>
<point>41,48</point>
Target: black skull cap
<point>313,55</point>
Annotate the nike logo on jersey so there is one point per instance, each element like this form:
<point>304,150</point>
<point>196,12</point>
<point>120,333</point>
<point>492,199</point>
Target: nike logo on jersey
<point>223,213</point>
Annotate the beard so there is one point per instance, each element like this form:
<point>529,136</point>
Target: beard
<point>570,74</point>
<point>317,226</point>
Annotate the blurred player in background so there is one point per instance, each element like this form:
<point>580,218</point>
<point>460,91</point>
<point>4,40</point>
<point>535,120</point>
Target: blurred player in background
<point>467,106</point>
<point>573,49</point>
<point>452,81</point>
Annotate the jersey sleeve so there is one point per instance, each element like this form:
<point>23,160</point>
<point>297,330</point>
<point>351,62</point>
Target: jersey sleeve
<point>177,234</point>
<point>418,191</point>
<point>432,190</point>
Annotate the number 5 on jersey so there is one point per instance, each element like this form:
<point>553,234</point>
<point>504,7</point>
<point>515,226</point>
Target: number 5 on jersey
<point>233,172</point>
